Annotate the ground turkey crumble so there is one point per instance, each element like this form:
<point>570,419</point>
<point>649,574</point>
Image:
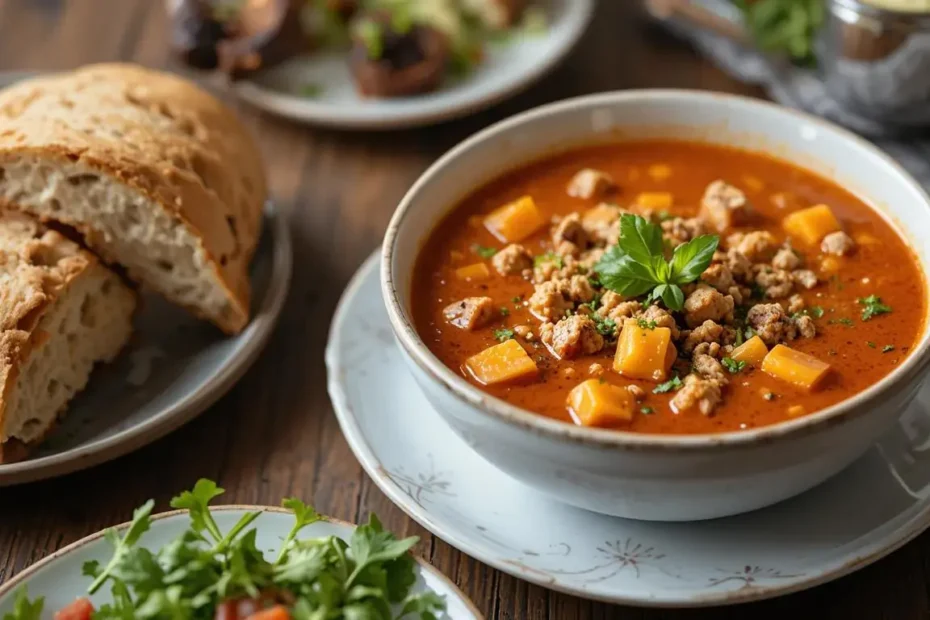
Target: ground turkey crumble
<point>752,287</point>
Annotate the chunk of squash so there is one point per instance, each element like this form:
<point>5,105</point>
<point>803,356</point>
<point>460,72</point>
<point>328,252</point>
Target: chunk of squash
<point>473,273</point>
<point>501,363</point>
<point>643,353</point>
<point>654,200</point>
<point>811,225</point>
<point>593,403</point>
<point>753,351</point>
<point>515,221</point>
<point>797,368</point>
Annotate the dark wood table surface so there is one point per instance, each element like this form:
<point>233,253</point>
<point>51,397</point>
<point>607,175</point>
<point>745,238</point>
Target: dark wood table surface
<point>275,434</point>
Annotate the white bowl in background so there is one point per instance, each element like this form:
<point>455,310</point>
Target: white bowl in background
<point>635,475</point>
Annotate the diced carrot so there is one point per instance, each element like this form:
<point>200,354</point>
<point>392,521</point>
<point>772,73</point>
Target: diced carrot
<point>601,215</point>
<point>473,273</point>
<point>654,200</point>
<point>796,410</point>
<point>80,609</point>
<point>278,612</point>
<point>753,351</point>
<point>811,225</point>
<point>501,363</point>
<point>795,367</point>
<point>642,353</point>
<point>515,221</point>
<point>659,172</point>
<point>594,403</point>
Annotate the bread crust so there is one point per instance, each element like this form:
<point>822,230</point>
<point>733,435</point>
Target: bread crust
<point>162,136</point>
<point>36,267</point>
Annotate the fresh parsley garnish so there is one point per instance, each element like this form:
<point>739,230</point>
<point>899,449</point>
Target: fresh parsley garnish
<point>815,312</point>
<point>732,365</point>
<point>371,576</point>
<point>605,327</point>
<point>672,384</point>
<point>647,410</point>
<point>483,251</point>
<point>842,321</point>
<point>517,300</point>
<point>637,266</point>
<point>784,26</point>
<point>873,307</point>
<point>888,348</point>
<point>644,324</point>
<point>548,257</point>
<point>871,344</point>
<point>505,311</point>
<point>503,335</point>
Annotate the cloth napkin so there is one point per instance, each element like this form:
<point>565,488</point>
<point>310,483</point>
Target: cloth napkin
<point>801,88</point>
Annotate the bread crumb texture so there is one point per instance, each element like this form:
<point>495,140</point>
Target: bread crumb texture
<point>156,174</point>
<point>61,312</point>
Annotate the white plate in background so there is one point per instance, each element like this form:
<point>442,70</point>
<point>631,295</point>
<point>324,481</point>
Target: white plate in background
<point>508,69</point>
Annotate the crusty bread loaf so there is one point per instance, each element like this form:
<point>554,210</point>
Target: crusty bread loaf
<point>156,174</point>
<point>61,311</point>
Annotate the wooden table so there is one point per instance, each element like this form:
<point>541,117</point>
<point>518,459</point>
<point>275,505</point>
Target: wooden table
<point>275,433</point>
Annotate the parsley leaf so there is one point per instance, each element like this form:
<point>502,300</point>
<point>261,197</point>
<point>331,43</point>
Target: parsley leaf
<point>605,327</point>
<point>195,502</point>
<point>815,312</point>
<point>23,608</point>
<point>888,348</point>
<point>733,365</point>
<point>842,321</point>
<point>141,522</point>
<point>873,307</point>
<point>647,410</point>
<point>483,251</point>
<point>672,384</point>
<point>503,335</point>
<point>871,344</point>
<point>637,266</point>
<point>644,324</point>
<point>504,311</point>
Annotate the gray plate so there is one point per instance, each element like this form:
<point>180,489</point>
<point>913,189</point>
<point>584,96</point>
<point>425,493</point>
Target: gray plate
<point>174,368</point>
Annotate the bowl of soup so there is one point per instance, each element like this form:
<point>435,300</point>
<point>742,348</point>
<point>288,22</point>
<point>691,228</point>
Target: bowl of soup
<point>663,305</point>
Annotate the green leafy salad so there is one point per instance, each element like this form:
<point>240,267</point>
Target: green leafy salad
<point>784,26</point>
<point>208,573</point>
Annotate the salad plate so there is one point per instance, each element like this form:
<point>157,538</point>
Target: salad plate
<point>508,68</point>
<point>58,579</point>
<point>882,500</point>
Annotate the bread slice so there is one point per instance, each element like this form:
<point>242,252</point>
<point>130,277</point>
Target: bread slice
<point>156,174</point>
<point>61,311</point>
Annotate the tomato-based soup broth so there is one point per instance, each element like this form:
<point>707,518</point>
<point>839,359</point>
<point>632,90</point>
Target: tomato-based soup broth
<point>668,287</point>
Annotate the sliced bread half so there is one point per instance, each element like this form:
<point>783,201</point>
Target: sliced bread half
<point>61,311</point>
<point>155,173</point>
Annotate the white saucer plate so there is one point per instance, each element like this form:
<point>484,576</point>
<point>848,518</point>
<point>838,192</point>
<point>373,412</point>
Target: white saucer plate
<point>58,577</point>
<point>878,504</point>
<point>508,69</point>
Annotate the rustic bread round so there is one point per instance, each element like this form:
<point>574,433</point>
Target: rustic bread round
<point>156,174</point>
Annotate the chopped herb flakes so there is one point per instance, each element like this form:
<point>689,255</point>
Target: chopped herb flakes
<point>517,300</point>
<point>549,257</point>
<point>605,327</point>
<point>483,251</point>
<point>815,312</point>
<point>732,365</point>
<point>870,343</point>
<point>873,307</point>
<point>842,321</point>
<point>503,335</point>
<point>888,348</point>
<point>644,324</point>
<point>672,384</point>
<point>647,410</point>
<point>505,311</point>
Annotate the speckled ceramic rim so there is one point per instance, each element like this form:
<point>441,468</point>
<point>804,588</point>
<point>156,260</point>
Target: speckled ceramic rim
<point>24,576</point>
<point>356,437</point>
<point>308,111</point>
<point>254,337</point>
<point>860,404</point>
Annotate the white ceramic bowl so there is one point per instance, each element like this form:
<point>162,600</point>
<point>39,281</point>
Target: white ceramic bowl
<point>656,477</point>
